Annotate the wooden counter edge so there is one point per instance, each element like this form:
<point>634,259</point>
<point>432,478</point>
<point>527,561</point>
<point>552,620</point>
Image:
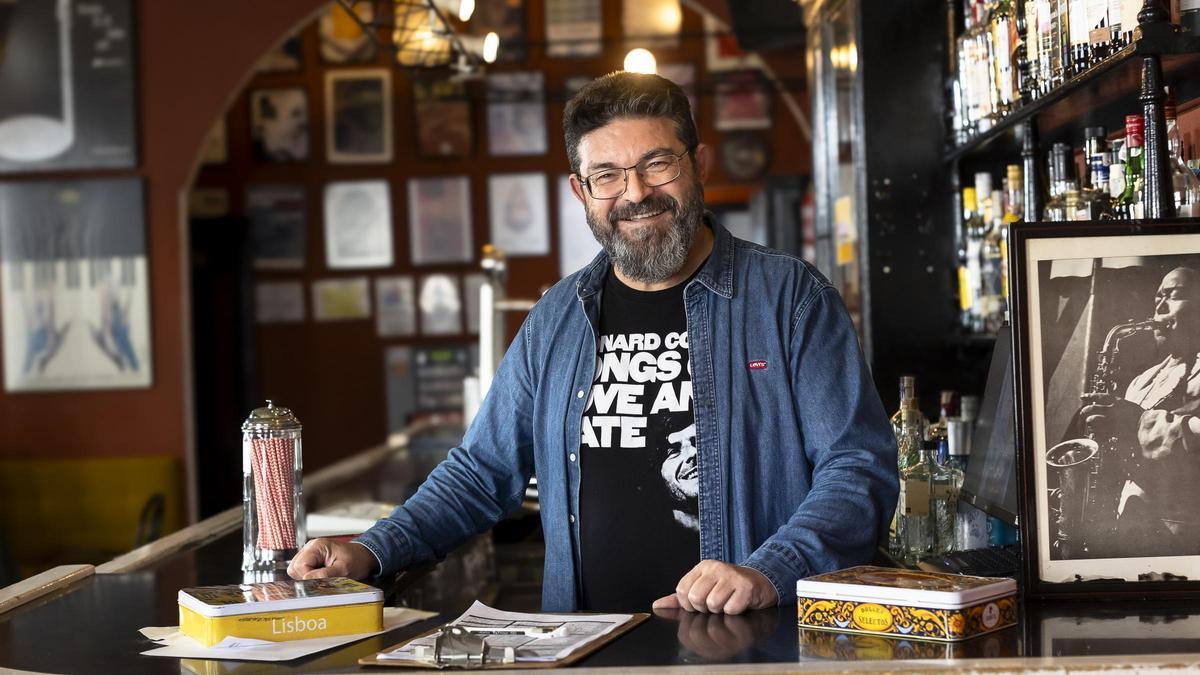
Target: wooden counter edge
<point>38,585</point>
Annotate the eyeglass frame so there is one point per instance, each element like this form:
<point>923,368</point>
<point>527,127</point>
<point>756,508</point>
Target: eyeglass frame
<point>587,180</point>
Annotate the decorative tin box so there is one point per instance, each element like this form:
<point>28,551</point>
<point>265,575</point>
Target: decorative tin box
<point>906,603</point>
<point>280,610</point>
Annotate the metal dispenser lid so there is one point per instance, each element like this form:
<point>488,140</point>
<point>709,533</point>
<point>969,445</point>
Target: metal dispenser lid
<point>271,418</point>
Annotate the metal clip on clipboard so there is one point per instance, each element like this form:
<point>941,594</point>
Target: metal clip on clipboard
<point>462,647</point>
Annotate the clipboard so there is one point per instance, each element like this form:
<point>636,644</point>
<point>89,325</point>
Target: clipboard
<point>592,648</point>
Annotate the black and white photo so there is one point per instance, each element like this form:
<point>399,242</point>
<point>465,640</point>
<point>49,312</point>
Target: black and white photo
<point>518,213</point>
<point>439,220</point>
<point>277,225</point>
<point>279,124</point>
<point>358,224</point>
<point>516,114</point>
<point>441,308</point>
<point>395,306</point>
<point>358,116</point>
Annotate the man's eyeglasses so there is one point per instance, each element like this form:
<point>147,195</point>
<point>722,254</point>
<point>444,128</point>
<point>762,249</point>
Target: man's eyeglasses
<point>653,172</point>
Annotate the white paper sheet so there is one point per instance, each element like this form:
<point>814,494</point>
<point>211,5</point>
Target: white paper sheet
<point>571,632</point>
<point>178,645</point>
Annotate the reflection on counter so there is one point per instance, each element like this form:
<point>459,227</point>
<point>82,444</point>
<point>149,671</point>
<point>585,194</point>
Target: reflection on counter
<point>821,645</point>
<point>1091,629</point>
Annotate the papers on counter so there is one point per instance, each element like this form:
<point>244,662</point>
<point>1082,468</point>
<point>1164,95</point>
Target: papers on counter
<point>533,637</point>
<point>175,644</point>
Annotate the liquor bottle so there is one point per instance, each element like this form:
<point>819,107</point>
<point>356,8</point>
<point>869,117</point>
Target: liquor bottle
<point>948,408</point>
<point>1080,50</point>
<point>992,265</point>
<point>1099,34</point>
<point>909,427</point>
<point>1115,43</point>
<point>1129,20</point>
<point>914,517</point>
<point>943,497</point>
<point>1061,188</point>
<point>1129,204</point>
<point>1014,211</point>
<point>965,297</point>
<point>1060,42</point>
<point>1094,202</point>
<point>1032,41</point>
<point>908,405</point>
<point>976,230</point>
<point>1185,186</point>
<point>1002,63</point>
<point>989,253</point>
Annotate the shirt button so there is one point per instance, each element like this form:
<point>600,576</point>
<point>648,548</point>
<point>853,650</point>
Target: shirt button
<point>571,517</point>
<point>571,456</point>
<point>579,394</point>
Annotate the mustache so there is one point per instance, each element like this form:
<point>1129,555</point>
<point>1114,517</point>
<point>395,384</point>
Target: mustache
<point>649,205</point>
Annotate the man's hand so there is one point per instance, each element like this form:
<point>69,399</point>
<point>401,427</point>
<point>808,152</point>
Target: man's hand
<point>1111,416</point>
<point>714,586</point>
<point>321,558</point>
<point>717,637</point>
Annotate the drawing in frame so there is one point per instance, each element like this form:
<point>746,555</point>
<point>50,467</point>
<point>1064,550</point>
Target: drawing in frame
<point>1106,323</point>
<point>443,115</point>
<point>279,124</point>
<point>516,114</point>
<point>358,224</point>
<point>358,116</point>
<point>439,220</point>
<point>518,213</point>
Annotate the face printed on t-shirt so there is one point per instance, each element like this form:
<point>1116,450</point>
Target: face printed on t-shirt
<point>679,468</point>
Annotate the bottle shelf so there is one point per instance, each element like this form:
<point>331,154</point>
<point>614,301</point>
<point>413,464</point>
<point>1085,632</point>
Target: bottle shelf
<point>1101,95</point>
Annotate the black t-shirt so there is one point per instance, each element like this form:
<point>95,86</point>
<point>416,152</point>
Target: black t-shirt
<point>638,525</point>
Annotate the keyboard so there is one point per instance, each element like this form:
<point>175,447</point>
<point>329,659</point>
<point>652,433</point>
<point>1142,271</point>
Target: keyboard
<point>980,562</point>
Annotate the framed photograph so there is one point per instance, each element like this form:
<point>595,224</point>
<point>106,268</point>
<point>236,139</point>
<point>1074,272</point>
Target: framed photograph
<point>1106,322</point>
<point>358,116</point>
<point>443,113</point>
<point>286,58</point>
<point>74,285</point>
<point>573,28</point>
<point>279,124</point>
<point>721,48</point>
<point>441,306</point>
<point>439,220</point>
<point>516,114</point>
<point>278,226</point>
<point>507,19</point>
<point>67,71</point>
<point>652,23</point>
<point>279,302</point>
<point>341,36</point>
<point>396,306</point>
<point>517,212</point>
<point>577,246</point>
<point>742,101</point>
<point>358,224</point>
<point>439,373</point>
<point>341,299</point>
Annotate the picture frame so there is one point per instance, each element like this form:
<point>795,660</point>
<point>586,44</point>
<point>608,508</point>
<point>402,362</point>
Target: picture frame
<point>518,213</point>
<point>439,220</point>
<point>358,224</point>
<point>279,124</point>
<point>442,109</point>
<point>516,114</point>
<point>577,246</point>
<point>396,306</point>
<point>277,215</point>
<point>441,305</point>
<point>341,299</point>
<point>278,302</point>
<point>358,116</point>
<point>341,38</point>
<point>574,28</point>
<point>721,49</point>
<point>742,101</point>
<point>506,18</point>
<point>1102,510</point>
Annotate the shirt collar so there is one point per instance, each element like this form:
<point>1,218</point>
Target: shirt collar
<point>716,273</point>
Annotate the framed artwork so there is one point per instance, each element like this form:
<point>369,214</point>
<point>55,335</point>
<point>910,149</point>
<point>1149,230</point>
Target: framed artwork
<point>441,308</point>
<point>507,19</point>
<point>341,299</point>
<point>440,372</point>
<point>67,72</point>
<point>573,84</point>
<point>1106,322</point>
<point>279,124</point>
<point>285,58</point>
<point>471,285</point>
<point>443,113</point>
<point>400,385</point>
<point>279,302</point>
<point>439,220</point>
<point>216,147</point>
<point>358,116</point>
<point>742,101</point>
<point>358,224</point>
<point>517,213</point>
<point>516,114</point>
<point>395,306</point>
<point>74,285</point>
<point>573,28</point>
<point>341,36</point>
<point>652,23</point>
<point>278,226</point>
<point>721,48</point>
<point>577,246</point>
<point>745,155</point>
<point>684,75</point>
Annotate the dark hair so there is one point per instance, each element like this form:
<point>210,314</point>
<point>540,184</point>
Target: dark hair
<point>625,94</point>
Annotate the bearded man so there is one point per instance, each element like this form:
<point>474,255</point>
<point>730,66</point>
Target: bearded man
<point>675,324</point>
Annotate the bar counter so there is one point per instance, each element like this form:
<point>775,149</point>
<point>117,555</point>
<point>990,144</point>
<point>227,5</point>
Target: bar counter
<point>90,623</point>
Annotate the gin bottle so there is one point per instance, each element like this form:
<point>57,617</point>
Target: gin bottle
<point>914,515</point>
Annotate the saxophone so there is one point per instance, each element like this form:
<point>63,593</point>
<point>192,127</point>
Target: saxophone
<point>1090,472</point>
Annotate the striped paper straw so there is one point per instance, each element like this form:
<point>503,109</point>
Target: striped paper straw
<point>273,462</point>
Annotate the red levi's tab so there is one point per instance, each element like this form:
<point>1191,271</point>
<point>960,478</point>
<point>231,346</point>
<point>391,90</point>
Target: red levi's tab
<point>758,365</point>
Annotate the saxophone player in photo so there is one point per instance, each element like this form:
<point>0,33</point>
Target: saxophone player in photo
<point>1158,509</point>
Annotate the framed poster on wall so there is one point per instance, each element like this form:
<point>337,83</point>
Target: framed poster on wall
<point>358,116</point>
<point>358,224</point>
<point>517,208</point>
<point>279,124</point>
<point>439,220</point>
<point>74,285</point>
<point>67,72</point>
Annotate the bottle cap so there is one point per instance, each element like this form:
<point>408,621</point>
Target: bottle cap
<point>271,418</point>
<point>1094,132</point>
<point>956,438</point>
<point>983,184</point>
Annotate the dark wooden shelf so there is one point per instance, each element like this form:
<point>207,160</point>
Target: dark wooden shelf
<point>1099,96</point>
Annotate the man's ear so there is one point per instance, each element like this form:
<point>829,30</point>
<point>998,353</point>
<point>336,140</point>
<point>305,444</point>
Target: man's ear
<point>703,155</point>
<point>577,189</point>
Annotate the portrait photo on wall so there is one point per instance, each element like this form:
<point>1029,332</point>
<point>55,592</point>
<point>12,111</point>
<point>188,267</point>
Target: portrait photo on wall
<point>1108,335</point>
<point>358,224</point>
<point>439,220</point>
<point>518,213</point>
<point>341,36</point>
<point>279,124</point>
<point>74,285</point>
<point>67,72</point>
<point>277,225</point>
<point>516,114</point>
<point>742,101</point>
<point>441,308</point>
<point>443,113</point>
<point>358,116</point>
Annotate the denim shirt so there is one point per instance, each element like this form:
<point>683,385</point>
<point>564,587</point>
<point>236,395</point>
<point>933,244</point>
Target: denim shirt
<point>796,457</point>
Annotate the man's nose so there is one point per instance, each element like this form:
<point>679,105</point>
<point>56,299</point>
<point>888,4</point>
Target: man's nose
<point>635,189</point>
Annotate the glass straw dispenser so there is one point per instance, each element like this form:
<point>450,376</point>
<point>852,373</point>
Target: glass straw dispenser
<point>272,500</point>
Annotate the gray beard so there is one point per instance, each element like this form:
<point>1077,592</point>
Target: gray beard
<point>651,255</point>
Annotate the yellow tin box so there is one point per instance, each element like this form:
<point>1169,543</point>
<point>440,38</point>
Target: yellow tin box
<point>906,603</point>
<point>280,610</point>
